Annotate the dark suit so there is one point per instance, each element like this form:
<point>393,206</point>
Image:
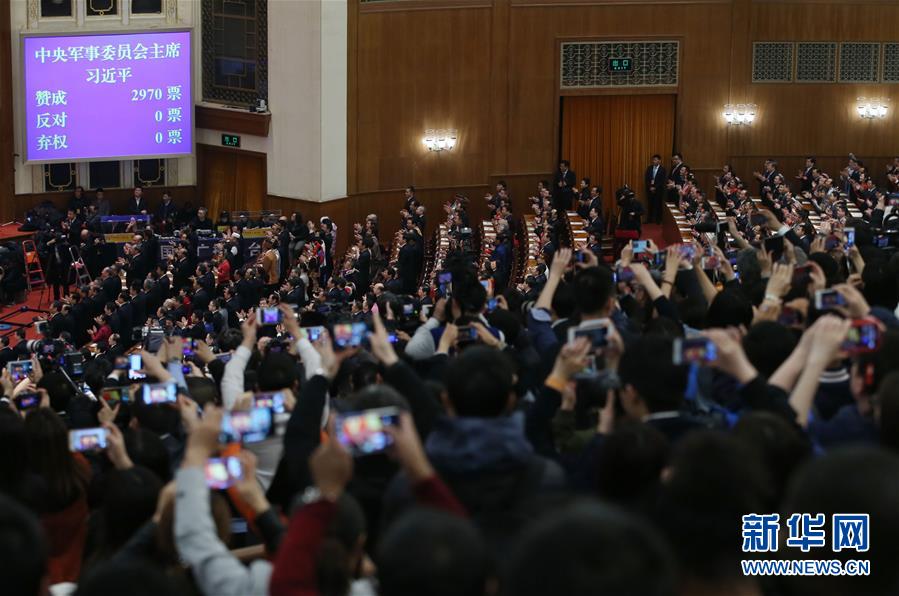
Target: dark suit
<point>655,192</point>
<point>806,183</point>
<point>363,272</point>
<point>678,173</point>
<point>135,206</point>
<point>409,267</point>
<point>6,355</point>
<point>126,322</point>
<point>112,286</point>
<point>563,195</point>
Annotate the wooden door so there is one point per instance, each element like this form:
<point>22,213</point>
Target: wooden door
<point>230,179</point>
<point>611,138</point>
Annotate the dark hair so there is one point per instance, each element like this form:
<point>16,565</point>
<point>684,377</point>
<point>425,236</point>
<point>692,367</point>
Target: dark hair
<point>664,389</point>
<point>564,162</point>
<point>630,463</point>
<point>277,371</point>
<point>715,480</point>
<point>341,539</point>
<point>593,287</point>
<point>729,309</point>
<point>779,445</point>
<point>677,155</point>
<point>768,344</point>
<point>431,552</point>
<point>851,480</point>
<point>145,448</point>
<point>590,548</point>
<point>656,156</point>
<point>50,458</point>
<point>23,551</point>
<point>13,454</point>
<point>479,382</point>
<point>129,501</point>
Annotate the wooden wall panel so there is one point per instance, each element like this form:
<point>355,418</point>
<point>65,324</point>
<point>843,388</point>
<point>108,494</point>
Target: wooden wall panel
<point>118,198</point>
<point>7,145</point>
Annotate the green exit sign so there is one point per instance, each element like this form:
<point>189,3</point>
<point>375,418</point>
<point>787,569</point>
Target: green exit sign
<point>621,64</point>
<point>231,140</point>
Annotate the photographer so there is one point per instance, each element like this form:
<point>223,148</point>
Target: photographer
<point>628,219</point>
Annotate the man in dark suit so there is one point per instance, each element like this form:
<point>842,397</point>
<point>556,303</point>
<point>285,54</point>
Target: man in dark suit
<point>563,187</point>
<point>125,314</point>
<point>166,213</point>
<point>679,169</point>
<point>655,188</point>
<point>409,263</point>
<point>766,178</point>
<point>183,271</point>
<point>805,176</point>
<point>363,267</point>
<point>56,322</point>
<point>137,205</point>
<point>111,283</point>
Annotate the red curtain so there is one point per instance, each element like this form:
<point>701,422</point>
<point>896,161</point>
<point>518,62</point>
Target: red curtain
<point>611,138</point>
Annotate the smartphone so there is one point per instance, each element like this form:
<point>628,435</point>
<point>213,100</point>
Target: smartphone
<point>801,276</point>
<point>882,241</point>
<point>695,349</point>
<point>863,336</point>
<point>189,348</point>
<point>74,364</point>
<point>580,257</point>
<point>445,283</point>
<point>491,305</point>
<point>27,401</point>
<point>659,258</point>
<point>596,331</point>
<point>224,357</point>
<point>135,363</point>
<point>589,371</point>
<point>831,243</point>
<point>789,317</point>
<point>408,309</point>
<point>848,238</point>
<point>687,251</point>
<point>270,399</point>
<point>160,393</point>
<point>349,335</point>
<point>114,395</point>
<point>313,334</point>
<point>757,219</point>
<point>19,369</point>
<point>731,254</point>
<point>774,245</point>
<point>87,439</point>
<point>467,334</point>
<point>640,246</point>
<point>828,299</point>
<point>270,315</point>
<point>121,363</point>
<point>364,433</point>
<point>624,274</point>
<point>247,426</point>
<point>223,472</point>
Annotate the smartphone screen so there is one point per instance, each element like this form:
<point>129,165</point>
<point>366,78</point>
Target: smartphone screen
<point>87,439</point>
<point>223,472</point>
<point>364,433</point>
<point>250,426</point>
<point>313,334</point>
<point>27,401</point>
<point>349,335</point>
<point>863,336</point>
<point>828,299</point>
<point>19,369</point>
<point>694,349</point>
<point>135,363</point>
<point>640,246</point>
<point>160,393</point>
<point>271,399</point>
<point>597,334</point>
<point>849,237</point>
<point>270,315</point>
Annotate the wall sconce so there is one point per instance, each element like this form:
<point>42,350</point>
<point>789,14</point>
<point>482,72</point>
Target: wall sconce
<point>872,108</point>
<point>740,114</point>
<point>439,140</point>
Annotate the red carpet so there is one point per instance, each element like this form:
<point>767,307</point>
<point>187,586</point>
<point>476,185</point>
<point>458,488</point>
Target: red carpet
<point>654,232</point>
<point>11,232</point>
<point>15,314</point>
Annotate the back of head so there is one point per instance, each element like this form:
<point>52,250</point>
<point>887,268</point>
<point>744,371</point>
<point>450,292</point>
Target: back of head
<point>851,480</point>
<point>663,389</point>
<point>23,552</point>
<point>145,448</point>
<point>480,383</point>
<point>431,552</point>
<point>781,447</point>
<point>589,549</point>
<point>128,503</point>
<point>729,309</point>
<point>277,371</point>
<point>768,344</point>
<point>593,288</point>
<point>630,464</point>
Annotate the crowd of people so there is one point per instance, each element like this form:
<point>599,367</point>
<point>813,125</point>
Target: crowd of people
<point>437,415</point>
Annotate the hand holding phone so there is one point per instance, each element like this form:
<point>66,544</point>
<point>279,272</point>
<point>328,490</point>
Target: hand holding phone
<point>364,433</point>
<point>87,439</point>
<point>691,350</point>
<point>223,472</point>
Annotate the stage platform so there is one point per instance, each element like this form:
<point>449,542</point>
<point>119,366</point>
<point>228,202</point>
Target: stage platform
<point>11,231</point>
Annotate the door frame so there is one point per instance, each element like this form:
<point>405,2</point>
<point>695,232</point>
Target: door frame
<point>203,148</point>
<point>662,90</point>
